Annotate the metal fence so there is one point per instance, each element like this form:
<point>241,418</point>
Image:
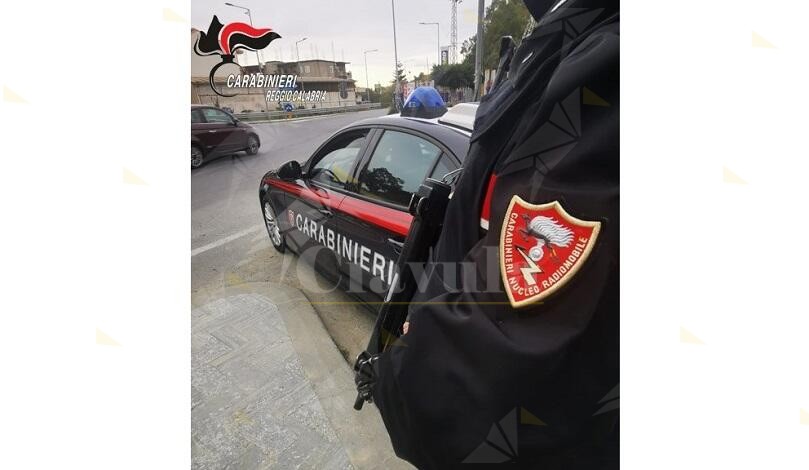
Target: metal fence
<point>296,113</point>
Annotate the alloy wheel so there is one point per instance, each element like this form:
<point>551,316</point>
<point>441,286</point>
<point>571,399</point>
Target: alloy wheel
<point>196,157</point>
<point>272,224</point>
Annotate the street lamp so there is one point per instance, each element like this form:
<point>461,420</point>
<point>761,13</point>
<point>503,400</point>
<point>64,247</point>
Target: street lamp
<point>298,54</point>
<point>395,57</point>
<point>258,59</point>
<point>438,37</point>
<point>367,87</point>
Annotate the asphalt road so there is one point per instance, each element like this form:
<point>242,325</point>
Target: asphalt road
<point>229,244</point>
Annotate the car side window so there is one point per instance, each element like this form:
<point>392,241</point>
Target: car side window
<point>397,168</point>
<point>196,117</point>
<point>215,115</point>
<point>334,162</point>
<point>445,165</point>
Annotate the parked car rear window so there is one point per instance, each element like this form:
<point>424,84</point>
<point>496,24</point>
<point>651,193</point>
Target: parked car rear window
<point>397,168</point>
<point>215,115</point>
<point>196,117</point>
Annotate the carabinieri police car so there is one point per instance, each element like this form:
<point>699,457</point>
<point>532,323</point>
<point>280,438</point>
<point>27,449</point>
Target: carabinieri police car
<point>345,208</point>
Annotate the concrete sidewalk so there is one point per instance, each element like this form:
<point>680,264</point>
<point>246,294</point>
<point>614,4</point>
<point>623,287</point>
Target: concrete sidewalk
<point>269,389</point>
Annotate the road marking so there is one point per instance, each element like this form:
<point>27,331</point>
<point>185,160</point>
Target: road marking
<point>226,240</point>
<point>281,121</point>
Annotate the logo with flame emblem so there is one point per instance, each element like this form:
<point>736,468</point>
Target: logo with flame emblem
<point>225,40</point>
<point>541,249</point>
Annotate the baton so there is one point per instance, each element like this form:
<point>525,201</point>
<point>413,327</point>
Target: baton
<point>427,206</point>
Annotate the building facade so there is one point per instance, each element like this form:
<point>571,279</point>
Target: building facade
<point>328,77</point>
<point>321,75</point>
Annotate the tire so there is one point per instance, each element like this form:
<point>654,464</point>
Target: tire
<point>273,229</point>
<point>252,145</point>
<point>197,156</point>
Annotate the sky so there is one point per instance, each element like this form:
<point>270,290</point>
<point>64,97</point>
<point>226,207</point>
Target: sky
<point>352,26</point>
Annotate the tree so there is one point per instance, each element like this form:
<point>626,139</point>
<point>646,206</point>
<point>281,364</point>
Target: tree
<point>503,18</point>
<point>398,78</point>
<point>399,75</point>
<point>374,96</point>
<point>385,96</point>
<point>454,76</point>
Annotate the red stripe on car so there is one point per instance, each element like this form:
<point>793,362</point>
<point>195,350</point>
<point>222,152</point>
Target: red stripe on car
<point>392,220</point>
<point>299,191</point>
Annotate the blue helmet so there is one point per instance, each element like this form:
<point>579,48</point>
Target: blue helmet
<point>424,102</point>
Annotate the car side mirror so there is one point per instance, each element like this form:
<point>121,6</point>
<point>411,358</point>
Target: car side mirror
<point>290,171</point>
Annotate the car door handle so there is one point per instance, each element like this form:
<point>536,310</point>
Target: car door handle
<point>397,246</point>
<point>325,212</point>
<point>211,130</point>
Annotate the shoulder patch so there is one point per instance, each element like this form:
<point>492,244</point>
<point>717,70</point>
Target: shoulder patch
<point>541,249</point>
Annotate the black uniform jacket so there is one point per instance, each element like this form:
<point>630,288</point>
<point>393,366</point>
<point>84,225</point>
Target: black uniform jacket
<point>477,380</point>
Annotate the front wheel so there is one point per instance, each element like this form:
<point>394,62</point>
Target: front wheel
<point>197,158</point>
<point>252,145</point>
<point>273,228</point>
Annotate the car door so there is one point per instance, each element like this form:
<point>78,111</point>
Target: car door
<point>374,214</point>
<point>196,120</point>
<point>198,131</point>
<point>219,133</point>
<point>315,199</point>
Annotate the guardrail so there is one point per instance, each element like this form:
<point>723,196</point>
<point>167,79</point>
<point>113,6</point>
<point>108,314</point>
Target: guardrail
<point>296,113</point>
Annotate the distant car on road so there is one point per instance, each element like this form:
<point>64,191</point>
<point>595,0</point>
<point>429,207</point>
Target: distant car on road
<point>215,133</point>
<point>345,208</point>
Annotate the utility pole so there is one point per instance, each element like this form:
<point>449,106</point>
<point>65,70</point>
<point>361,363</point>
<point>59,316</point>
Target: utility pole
<point>395,58</point>
<point>367,88</point>
<point>479,52</point>
<point>298,54</point>
<point>258,58</point>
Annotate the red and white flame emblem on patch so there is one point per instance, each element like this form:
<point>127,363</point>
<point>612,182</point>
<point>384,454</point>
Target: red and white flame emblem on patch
<point>541,248</point>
